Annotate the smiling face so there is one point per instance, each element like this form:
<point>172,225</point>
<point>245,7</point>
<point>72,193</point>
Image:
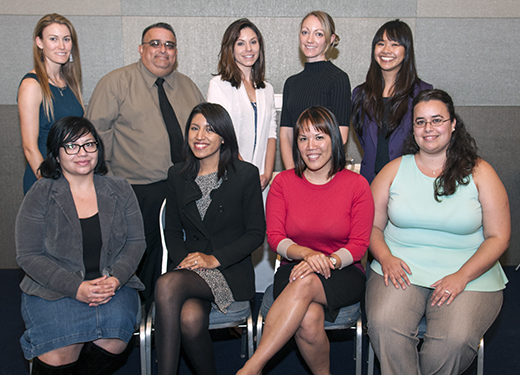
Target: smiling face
<point>203,141</point>
<point>55,43</point>
<point>389,54</point>
<point>246,49</point>
<point>160,61</point>
<point>315,148</point>
<point>81,164</point>
<point>313,42</point>
<point>433,139</point>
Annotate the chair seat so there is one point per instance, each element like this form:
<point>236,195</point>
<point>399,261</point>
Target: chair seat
<point>346,318</point>
<point>237,313</point>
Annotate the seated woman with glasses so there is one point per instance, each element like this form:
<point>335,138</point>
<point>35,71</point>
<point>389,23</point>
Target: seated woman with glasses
<point>442,222</point>
<point>79,239</point>
<point>214,221</point>
<point>319,218</point>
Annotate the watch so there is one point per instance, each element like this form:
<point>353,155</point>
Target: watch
<point>334,262</point>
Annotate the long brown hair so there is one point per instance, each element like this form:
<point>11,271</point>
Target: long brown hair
<point>227,66</point>
<point>70,71</point>
<point>369,99</point>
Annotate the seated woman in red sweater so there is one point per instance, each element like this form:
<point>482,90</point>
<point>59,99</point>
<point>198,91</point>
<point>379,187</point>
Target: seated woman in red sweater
<point>319,217</point>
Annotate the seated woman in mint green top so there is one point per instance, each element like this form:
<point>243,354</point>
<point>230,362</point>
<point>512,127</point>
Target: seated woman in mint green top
<point>442,222</point>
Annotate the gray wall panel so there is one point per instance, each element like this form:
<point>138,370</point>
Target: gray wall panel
<point>64,7</point>
<point>12,168</point>
<point>494,130</point>
<point>16,57</point>
<point>475,60</point>
<point>468,8</point>
<point>268,8</point>
<point>101,48</point>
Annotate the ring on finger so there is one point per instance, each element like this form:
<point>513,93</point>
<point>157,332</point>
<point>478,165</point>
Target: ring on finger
<point>195,263</point>
<point>447,291</point>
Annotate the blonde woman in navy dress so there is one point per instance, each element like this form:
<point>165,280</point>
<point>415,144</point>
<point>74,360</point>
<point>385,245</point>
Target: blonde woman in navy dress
<point>50,91</point>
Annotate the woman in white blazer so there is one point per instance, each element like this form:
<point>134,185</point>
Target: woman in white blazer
<point>241,89</point>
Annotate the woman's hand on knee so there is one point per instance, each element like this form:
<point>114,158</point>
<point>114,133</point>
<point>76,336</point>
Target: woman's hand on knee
<point>319,262</point>
<point>447,289</point>
<point>94,292</point>
<point>299,271</point>
<point>395,270</point>
<point>194,261</point>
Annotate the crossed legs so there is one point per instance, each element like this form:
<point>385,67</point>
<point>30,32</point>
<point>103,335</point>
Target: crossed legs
<point>298,311</point>
<point>183,303</point>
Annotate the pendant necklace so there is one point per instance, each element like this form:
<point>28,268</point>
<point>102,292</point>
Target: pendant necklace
<point>60,89</point>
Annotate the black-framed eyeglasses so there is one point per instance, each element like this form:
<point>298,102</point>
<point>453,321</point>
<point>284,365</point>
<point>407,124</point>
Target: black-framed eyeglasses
<point>434,122</point>
<point>73,148</point>
<point>158,44</point>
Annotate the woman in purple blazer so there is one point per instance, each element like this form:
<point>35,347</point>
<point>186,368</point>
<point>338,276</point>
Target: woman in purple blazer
<point>382,110</point>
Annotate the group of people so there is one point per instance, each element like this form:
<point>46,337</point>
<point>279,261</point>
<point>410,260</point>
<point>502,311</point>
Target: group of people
<point>434,216</point>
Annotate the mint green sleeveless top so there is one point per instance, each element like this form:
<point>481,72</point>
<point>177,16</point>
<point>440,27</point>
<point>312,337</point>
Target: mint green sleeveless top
<point>435,238</point>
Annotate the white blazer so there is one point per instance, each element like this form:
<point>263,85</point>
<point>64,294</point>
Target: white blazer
<point>237,103</point>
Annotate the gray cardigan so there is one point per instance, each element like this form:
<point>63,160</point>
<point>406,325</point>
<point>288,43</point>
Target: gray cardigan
<point>49,242</point>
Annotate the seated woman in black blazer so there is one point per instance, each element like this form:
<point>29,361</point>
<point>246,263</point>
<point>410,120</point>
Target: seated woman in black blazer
<point>214,221</point>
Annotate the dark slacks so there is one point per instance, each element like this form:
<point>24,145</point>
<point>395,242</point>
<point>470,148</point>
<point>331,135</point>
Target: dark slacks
<point>150,198</point>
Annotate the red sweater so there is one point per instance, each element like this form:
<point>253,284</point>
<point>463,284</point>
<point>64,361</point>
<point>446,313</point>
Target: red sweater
<point>326,218</point>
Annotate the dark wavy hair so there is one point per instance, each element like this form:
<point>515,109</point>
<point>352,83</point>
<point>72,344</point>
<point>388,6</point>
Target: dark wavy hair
<point>461,154</point>
<point>66,130</point>
<point>218,118</point>
<point>227,66</point>
<point>323,120</point>
<point>369,99</point>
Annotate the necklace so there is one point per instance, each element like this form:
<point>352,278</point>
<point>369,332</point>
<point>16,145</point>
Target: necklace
<point>60,89</point>
<point>434,171</point>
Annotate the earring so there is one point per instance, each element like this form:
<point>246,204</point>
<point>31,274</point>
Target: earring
<point>70,57</point>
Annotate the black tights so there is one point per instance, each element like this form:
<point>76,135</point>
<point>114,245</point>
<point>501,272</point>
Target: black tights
<point>183,303</point>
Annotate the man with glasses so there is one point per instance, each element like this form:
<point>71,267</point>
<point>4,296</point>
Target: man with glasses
<point>140,111</point>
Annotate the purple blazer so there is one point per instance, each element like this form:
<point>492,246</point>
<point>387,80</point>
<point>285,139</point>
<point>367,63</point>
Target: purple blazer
<point>368,140</point>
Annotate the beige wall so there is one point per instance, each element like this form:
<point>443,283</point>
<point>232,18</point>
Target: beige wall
<point>469,48</point>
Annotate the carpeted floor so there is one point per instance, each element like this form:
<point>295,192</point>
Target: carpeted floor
<point>500,358</point>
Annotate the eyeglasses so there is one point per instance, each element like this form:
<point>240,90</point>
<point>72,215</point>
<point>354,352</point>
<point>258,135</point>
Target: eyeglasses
<point>434,122</point>
<point>156,44</point>
<point>73,148</point>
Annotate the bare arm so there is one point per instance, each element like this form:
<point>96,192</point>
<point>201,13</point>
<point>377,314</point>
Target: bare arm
<point>344,134</point>
<point>29,101</point>
<point>394,269</point>
<point>496,221</point>
<point>286,142</point>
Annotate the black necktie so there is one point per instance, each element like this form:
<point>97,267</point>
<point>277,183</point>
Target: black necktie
<point>172,124</point>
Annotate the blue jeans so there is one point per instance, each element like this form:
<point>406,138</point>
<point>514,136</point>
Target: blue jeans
<point>452,336</point>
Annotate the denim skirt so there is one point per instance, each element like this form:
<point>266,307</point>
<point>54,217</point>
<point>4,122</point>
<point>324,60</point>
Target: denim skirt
<point>55,324</point>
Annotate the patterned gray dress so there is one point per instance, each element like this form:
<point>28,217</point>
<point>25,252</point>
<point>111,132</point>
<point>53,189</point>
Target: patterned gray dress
<point>217,283</point>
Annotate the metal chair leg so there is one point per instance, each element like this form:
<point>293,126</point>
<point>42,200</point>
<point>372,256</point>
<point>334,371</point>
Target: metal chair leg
<point>359,345</point>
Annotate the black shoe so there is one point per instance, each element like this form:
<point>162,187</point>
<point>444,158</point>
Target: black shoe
<point>42,368</point>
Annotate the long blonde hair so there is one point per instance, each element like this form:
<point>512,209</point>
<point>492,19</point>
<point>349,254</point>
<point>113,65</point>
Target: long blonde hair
<point>70,71</point>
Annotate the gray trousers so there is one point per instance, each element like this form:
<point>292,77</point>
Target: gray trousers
<point>452,336</point>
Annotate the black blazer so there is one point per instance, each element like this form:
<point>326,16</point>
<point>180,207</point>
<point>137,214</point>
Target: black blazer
<point>233,227</point>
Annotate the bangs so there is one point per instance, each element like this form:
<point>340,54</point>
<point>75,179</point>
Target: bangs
<point>74,136</point>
